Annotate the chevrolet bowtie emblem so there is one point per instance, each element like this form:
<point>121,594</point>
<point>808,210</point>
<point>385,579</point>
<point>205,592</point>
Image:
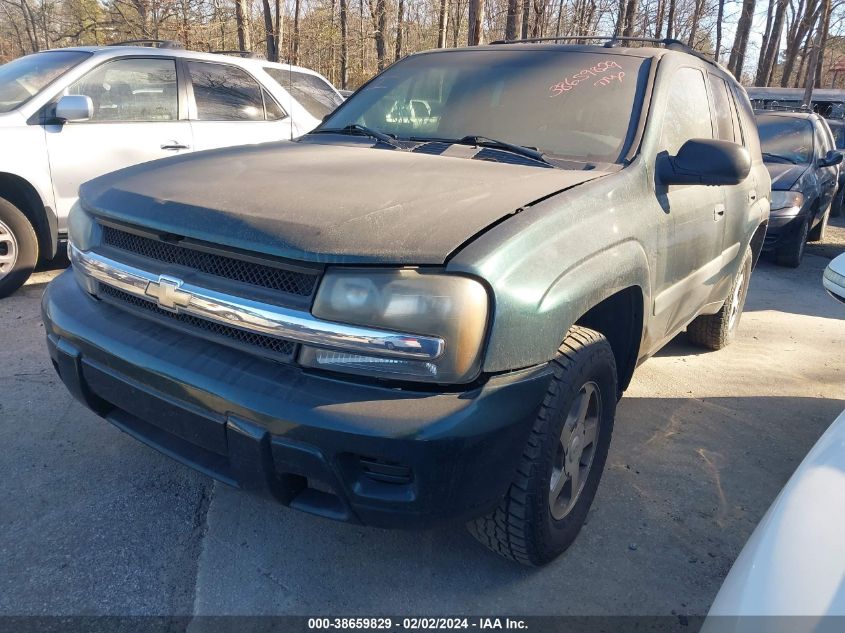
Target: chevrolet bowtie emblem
<point>166,291</point>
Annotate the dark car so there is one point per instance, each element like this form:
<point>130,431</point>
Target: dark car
<point>800,155</point>
<point>837,128</point>
<point>427,309</point>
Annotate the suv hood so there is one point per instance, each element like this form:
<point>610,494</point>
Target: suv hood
<point>784,175</point>
<point>324,203</point>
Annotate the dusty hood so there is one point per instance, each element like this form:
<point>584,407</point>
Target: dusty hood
<point>324,203</point>
<point>784,175</point>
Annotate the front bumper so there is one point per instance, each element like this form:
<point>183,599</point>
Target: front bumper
<point>783,225</point>
<point>364,453</point>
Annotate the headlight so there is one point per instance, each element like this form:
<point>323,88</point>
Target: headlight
<point>405,301</point>
<point>80,234</point>
<point>787,201</point>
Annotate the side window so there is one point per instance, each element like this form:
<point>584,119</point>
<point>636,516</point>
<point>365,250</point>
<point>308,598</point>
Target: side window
<point>687,112</point>
<point>225,93</point>
<point>722,109</point>
<point>312,93</point>
<point>131,90</point>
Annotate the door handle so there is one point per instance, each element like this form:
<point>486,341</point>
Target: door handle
<point>718,212</point>
<point>174,145</point>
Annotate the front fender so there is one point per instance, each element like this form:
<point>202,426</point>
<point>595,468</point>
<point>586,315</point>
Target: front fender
<point>553,262</point>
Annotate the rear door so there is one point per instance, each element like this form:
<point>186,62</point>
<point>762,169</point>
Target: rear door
<point>229,107</point>
<point>137,118</point>
<point>740,198</point>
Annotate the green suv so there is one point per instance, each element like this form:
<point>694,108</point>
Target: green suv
<point>427,308</point>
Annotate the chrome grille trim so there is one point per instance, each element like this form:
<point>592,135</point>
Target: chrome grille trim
<point>252,316</point>
<point>292,282</point>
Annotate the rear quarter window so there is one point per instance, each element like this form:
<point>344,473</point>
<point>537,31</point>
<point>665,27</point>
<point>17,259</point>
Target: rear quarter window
<point>312,93</point>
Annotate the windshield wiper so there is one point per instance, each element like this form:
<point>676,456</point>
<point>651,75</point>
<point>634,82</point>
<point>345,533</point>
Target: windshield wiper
<point>779,157</point>
<point>484,141</point>
<point>363,130</point>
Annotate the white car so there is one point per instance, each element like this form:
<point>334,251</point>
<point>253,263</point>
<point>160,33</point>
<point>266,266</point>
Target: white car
<point>794,562</point>
<point>834,278</point>
<point>69,115</point>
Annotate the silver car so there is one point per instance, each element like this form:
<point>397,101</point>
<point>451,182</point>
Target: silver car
<point>69,115</point>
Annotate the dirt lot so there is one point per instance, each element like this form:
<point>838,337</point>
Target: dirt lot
<point>93,522</point>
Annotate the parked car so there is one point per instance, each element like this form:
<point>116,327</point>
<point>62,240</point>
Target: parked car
<point>826,102</point>
<point>834,278</point>
<point>800,155</point>
<point>421,313</point>
<point>71,114</point>
<point>793,563</point>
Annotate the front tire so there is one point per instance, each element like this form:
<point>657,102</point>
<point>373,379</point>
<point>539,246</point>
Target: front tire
<point>715,331</point>
<point>18,248</point>
<point>563,459</point>
<point>818,233</point>
<point>791,252</point>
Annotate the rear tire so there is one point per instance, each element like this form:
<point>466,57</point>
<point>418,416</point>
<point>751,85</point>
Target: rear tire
<point>818,233</point>
<point>715,331</point>
<point>563,459</point>
<point>18,248</point>
<point>791,252</point>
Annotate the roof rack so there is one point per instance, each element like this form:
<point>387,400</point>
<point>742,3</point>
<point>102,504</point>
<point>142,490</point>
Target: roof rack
<point>247,54</point>
<point>613,41</point>
<point>151,43</point>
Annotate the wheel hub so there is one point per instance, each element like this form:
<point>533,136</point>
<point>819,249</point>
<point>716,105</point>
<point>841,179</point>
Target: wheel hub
<point>8,250</point>
<point>575,450</point>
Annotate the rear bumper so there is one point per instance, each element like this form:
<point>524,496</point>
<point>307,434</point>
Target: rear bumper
<point>362,453</point>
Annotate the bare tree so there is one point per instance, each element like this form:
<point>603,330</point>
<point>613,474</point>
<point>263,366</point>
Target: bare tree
<point>344,44</point>
<point>737,58</point>
<point>513,24</point>
<point>269,33</point>
<point>475,33</point>
<point>442,23</point>
<point>400,19</point>
<point>241,16</point>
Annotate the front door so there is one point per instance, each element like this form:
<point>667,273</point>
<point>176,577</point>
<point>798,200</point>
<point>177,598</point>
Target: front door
<point>135,119</point>
<point>691,264</point>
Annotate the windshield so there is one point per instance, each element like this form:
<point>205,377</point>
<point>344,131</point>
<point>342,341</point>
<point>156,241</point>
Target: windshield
<point>579,106</point>
<point>312,93</point>
<point>23,78</point>
<point>786,138</point>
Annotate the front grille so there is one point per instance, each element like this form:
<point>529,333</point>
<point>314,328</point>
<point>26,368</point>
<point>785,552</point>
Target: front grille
<point>279,348</point>
<point>291,282</point>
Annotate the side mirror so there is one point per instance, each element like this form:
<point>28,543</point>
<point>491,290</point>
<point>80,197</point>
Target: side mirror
<point>74,108</point>
<point>705,162</point>
<point>831,159</point>
<point>834,278</point>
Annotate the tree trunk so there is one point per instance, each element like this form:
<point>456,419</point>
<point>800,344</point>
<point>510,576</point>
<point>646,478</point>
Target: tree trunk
<point>526,17</point>
<point>826,13</point>
<point>768,55</point>
<point>513,25</point>
<point>696,20</point>
<point>670,21</point>
<point>379,16</point>
<point>816,56</point>
<point>242,19</point>
<point>344,44</point>
<point>720,16</point>
<point>442,23</point>
<point>272,50</point>
<point>630,18</point>
<point>743,28</point>
<point>400,18</point>
<point>658,22</point>
<point>297,8</point>
<point>475,26</point>
<point>797,35</point>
